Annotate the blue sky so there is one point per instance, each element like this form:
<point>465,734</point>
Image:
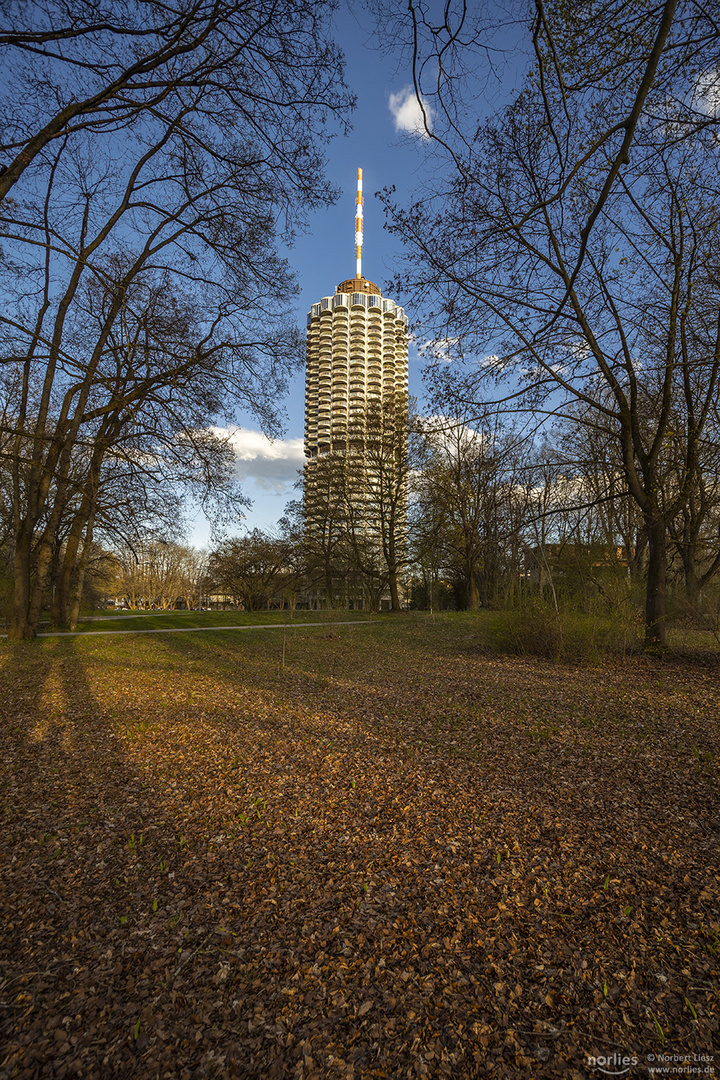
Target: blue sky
<point>390,152</point>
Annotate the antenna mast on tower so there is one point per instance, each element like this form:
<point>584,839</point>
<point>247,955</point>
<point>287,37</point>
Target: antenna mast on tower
<point>358,226</point>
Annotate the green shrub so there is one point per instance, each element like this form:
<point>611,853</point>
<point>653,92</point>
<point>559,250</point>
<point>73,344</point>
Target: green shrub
<point>533,629</point>
<point>536,629</point>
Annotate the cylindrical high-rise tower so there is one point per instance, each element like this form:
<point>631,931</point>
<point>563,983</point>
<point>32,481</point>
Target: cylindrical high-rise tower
<point>357,357</point>
<point>356,386</point>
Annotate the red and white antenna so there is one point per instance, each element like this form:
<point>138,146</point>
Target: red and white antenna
<point>358,226</point>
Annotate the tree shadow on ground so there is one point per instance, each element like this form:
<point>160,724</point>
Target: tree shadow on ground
<point>342,900</point>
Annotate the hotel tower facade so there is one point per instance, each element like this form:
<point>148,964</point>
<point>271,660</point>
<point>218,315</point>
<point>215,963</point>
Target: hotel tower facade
<point>356,371</point>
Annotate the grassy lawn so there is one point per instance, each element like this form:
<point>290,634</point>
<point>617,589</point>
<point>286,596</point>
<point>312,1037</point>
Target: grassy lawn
<point>372,851</point>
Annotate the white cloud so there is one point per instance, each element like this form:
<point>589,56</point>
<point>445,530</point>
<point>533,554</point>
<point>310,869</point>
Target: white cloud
<point>493,362</point>
<point>271,463</point>
<point>414,347</point>
<point>450,434</point>
<point>408,113</point>
<point>707,92</point>
<point>577,348</point>
<point>440,349</point>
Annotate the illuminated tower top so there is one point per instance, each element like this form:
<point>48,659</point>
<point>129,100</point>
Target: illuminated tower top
<point>358,284</point>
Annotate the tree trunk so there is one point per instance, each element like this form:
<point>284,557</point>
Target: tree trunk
<point>656,594</point>
<point>394,590</point>
<point>692,580</point>
<point>473,592</point>
<point>637,555</point>
<point>64,600</point>
<point>329,590</point>
<point>60,612</point>
<point>77,590</point>
<point>44,553</point>
<point>20,627</point>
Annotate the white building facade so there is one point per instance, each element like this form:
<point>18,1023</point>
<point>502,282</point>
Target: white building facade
<point>357,358</point>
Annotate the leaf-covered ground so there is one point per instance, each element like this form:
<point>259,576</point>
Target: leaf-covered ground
<point>393,855</point>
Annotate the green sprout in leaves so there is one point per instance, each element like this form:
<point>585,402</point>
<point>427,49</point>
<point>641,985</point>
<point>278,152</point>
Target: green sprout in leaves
<point>661,1033</point>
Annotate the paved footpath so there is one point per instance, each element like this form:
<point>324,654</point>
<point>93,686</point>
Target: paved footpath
<point>199,629</point>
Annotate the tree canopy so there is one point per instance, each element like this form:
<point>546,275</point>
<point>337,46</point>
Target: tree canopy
<point>158,155</point>
<point>569,245</point>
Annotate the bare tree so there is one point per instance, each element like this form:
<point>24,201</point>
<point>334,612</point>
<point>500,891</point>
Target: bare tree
<point>140,248</point>
<point>252,569</point>
<point>611,515</point>
<point>573,253</point>
<point>695,531</point>
<point>385,474</point>
<point>356,507</point>
<point>325,542</point>
<point>473,503</point>
<point>158,573</point>
<point>98,68</point>
<point>148,424</point>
